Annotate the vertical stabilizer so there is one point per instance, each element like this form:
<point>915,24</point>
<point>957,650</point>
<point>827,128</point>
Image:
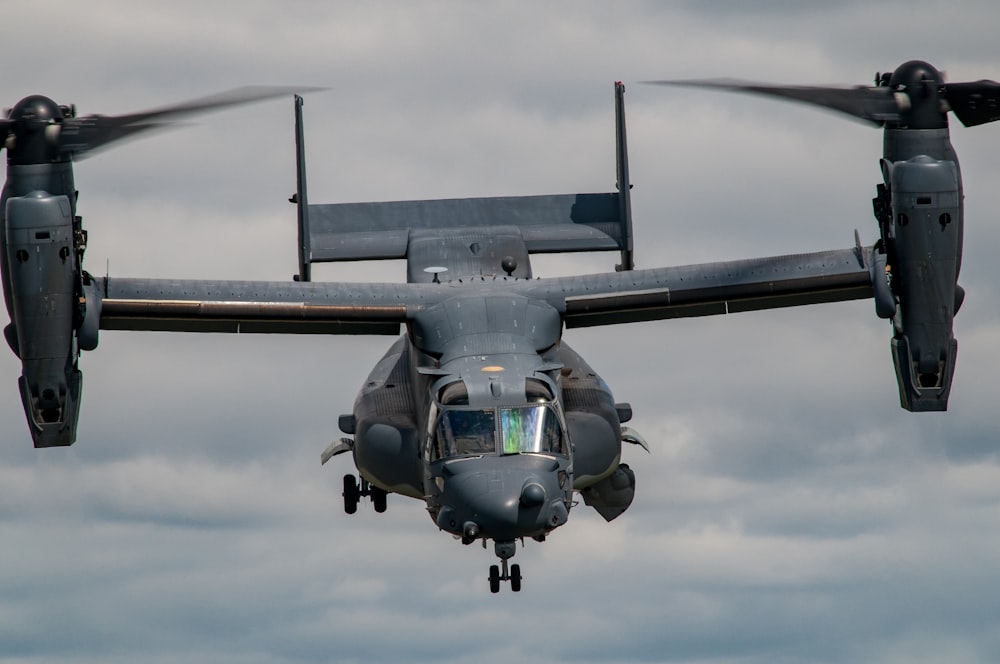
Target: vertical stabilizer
<point>624,184</point>
<point>301,199</point>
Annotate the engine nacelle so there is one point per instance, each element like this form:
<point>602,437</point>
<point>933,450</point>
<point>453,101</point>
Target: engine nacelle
<point>41,264</point>
<point>925,250</point>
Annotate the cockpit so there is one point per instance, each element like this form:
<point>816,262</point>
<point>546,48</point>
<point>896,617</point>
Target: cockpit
<point>498,463</point>
<point>461,430</point>
<point>530,429</point>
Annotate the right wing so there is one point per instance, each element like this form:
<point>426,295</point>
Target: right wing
<point>179,305</point>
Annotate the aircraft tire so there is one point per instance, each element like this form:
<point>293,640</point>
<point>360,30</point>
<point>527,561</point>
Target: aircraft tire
<point>379,499</point>
<point>351,494</point>
<point>515,578</point>
<point>494,578</point>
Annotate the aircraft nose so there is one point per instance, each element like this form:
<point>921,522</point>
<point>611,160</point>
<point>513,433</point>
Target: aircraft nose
<point>503,497</point>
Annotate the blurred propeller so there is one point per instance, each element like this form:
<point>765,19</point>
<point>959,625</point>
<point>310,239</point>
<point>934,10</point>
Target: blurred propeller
<point>914,96</point>
<point>876,105</point>
<point>90,132</point>
<point>69,136</point>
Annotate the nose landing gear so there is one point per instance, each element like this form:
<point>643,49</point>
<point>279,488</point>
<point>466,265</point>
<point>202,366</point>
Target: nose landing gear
<point>512,573</point>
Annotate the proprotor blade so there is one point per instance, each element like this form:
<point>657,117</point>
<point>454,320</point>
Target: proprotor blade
<point>86,134</point>
<point>875,105</point>
<point>974,103</point>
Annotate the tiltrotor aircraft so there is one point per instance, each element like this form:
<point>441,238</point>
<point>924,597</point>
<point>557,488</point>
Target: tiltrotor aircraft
<point>481,409</point>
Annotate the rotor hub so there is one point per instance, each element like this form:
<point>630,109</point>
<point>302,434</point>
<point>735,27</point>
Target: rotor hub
<point>915,75</point>
<point>35,122</point>
<point>922,85</point>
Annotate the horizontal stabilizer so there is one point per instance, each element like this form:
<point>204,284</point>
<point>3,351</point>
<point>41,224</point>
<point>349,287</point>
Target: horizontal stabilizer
<point>548,224</point>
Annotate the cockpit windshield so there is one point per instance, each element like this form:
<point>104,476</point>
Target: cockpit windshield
<point>463,431</point>
<point>532,429</point>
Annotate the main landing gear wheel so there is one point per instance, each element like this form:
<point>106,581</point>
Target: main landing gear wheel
<point>379,498</point>
<point>355,490</point>
<point>352,494</point>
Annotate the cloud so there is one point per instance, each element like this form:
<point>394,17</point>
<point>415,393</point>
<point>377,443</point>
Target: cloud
<point>789,511</point>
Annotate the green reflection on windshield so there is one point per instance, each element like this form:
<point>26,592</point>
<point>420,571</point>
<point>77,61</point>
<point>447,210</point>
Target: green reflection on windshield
<point>531,429</point>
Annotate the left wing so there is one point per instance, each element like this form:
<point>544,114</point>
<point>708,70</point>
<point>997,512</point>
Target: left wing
<point>708,289</point>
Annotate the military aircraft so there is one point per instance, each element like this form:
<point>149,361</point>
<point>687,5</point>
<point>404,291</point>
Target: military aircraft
<point>480,408</point>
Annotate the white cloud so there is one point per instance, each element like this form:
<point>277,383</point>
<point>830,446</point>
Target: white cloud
<point>789,512</point>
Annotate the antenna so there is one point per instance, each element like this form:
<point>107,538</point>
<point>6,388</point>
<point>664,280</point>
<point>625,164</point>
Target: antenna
<point>435,270</point>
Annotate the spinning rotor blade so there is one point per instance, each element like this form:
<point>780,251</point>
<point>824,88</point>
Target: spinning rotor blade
<point>88,133</point>
<point>974,103</point>
<point>914,96</point>
<point>875,105</point>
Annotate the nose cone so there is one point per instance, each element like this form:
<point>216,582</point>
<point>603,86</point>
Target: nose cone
<point>505,497</point>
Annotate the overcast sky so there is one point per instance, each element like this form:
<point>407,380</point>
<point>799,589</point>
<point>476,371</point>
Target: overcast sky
<point>790,511</point>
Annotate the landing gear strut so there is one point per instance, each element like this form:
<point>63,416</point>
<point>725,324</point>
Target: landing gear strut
<point>512,573</point>
<point>354,491</point>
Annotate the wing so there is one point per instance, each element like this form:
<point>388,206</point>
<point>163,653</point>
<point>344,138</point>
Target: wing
<point>709,289</point>
<point>51,383</point>
<point>261,306</point>
<point>587,300</point>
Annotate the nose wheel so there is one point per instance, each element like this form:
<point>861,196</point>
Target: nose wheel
<point>355,490</point>
<point>505,572</point>
<point>513,574</point>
